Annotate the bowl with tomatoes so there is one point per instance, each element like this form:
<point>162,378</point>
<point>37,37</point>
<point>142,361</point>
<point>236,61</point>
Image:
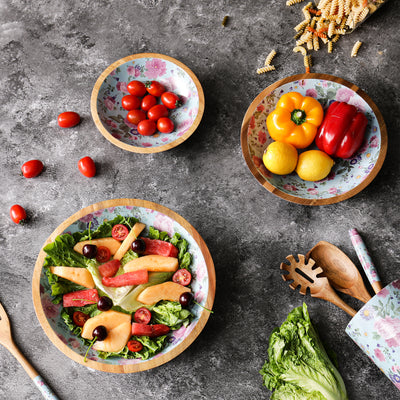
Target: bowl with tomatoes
<point>147,103</point>
<point>123,285</point>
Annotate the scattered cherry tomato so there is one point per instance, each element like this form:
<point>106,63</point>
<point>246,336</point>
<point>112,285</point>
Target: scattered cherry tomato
<point>18,214</point>
<point>130,102</point>
<point>171,100</point>
<point>147,127</point>
<point>80,318</point>
<point>134,346</point>
<point>137,88</point>
<point>32,168</point>
<point>119,232</point>
<point>103,254</point>
<point>68,119</point>
<point>182,276</point>
<point>87,167</point>
<point>135,116</point>
<point>165,125</point>
<point>142,315</point>
<point>156,112</point>
<point>155,88</point>
<point>148,102</point>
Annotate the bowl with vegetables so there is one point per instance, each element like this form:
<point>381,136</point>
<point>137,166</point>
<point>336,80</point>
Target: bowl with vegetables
<point>313,139</point>
<point>123,285</point>
<point>147,103</point>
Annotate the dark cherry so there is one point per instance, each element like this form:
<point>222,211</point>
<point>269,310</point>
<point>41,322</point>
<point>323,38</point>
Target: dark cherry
<point>139,246</point>
<point>100,332</point>
<point>104,303</point>
<point>185,299</point>
<point>89,250</point>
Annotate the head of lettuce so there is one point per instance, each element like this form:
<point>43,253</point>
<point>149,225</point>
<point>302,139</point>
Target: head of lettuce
<point>299,367</point>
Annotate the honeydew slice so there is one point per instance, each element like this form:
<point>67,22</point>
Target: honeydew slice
<point>153,263</point>
<point>112,244</point>
<point>80,276</point>
<point>164,291</point>
<point>126,244</point>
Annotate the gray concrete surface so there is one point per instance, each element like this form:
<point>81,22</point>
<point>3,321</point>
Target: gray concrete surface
<point>51,55</point>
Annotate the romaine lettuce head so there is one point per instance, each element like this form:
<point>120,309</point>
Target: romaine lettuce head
<point>299,367</point>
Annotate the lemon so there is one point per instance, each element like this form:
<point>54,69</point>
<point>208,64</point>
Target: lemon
<point>314,165</point>
<point>280,158</point>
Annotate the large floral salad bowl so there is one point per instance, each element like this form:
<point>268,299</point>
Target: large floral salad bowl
<point>348,176</point>
<point>110,117</point>
<point>152,215</point>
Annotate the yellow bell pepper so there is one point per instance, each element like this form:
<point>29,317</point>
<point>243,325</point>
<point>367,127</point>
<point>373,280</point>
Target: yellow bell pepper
<point>295,120</point>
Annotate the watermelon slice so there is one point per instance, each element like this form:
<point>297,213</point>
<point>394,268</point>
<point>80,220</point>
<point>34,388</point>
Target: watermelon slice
<point>160,248</point>
<point>149,330</point>
<point>110,268</point>
<point>80,298</point>
<point>128,279</point>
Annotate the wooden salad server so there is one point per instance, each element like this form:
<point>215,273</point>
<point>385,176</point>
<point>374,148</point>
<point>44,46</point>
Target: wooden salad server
<point>7,341</point>
<point>304,274</point>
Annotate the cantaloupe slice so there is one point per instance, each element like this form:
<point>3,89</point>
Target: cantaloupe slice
<point>80,276</point>
<point>118,326</point>
<point>152,263</point>
<point>112,244</point>
<point>126,244</point>
<point>164,291</point>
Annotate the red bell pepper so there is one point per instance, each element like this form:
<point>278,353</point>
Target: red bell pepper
<point>342,130</point>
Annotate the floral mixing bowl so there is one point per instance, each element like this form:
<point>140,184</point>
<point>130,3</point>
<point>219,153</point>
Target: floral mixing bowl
<point>111,86</point>
<point>348,176</point>
<point>151,214</point>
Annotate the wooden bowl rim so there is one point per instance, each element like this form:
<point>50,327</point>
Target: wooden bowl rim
<point>136,149</point>
<point>155,361</point>
<point>313,202</point>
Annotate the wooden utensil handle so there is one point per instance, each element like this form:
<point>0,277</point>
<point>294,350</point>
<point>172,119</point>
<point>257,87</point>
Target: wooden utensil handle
<point>335,299</point>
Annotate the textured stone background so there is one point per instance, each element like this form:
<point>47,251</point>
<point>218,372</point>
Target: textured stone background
<point>51,55</point>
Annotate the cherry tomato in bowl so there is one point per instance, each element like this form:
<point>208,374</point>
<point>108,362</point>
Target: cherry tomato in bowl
<point>155,88</point>
<point>147,127</point>
<point>142,316</point>
<point>130,102</point>
<point>18,214</point>
<point>68,119</point>
<point>79,318</point>
<point>165,125</point>
<point>137,88</point>
<point>135,116</point>
<point>171,100</point>
<point>148,102</point>
<point>156,112</point>
<point>182,276</point>
<point>134,345</point>
<point>119,232</point>
<point>87,167</point>
<point>32,168</point>
<point>103,254</point>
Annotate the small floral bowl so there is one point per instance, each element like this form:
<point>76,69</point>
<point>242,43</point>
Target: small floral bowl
<point>111,86</point>
<point>151,214</point>
<point>347,177</point>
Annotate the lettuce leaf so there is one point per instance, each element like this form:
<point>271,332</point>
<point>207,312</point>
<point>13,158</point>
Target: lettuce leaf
<point>172,314</point>
<point>298,366</point>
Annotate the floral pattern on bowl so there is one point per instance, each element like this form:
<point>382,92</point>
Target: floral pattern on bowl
<point>376,330</point>
<point>345,175</point>
<point>162,222</point>
<point>110,116</point>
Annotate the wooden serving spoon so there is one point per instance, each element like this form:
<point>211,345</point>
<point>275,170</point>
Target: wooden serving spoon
<point>7,341</point>
<point>342,274</point>
<point>305,275</point>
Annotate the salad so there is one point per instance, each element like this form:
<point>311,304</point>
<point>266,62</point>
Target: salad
<point>123,286</point>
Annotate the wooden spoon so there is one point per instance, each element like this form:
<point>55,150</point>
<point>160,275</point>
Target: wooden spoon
<point>342,274</point>
<point>7,341</point>
<point>304,275</point>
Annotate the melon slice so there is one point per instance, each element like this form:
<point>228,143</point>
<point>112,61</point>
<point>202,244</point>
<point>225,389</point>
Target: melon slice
<point>164,291</point>
<point>126,244</point>
<point>153,263</point>
<point>112,244</point>
<point>80,276</point>
<point>118,326</point>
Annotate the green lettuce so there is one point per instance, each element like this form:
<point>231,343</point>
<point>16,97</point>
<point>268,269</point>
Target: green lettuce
<point>172,314</point>
<point>299,367</point>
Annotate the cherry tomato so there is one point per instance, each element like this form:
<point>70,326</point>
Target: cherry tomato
<point>18,214</point>
<point>156,112</point>
<point>137,88</point>
<point>142,315</point>
<point>103,254</point>
<point>148,102</point>
<point>79,318</point>
<point>130,102</point>
<point>182,276</point>
<point>87,167</point>
<point>32,168</point>
<point>135,116</point>
<point>165,125</point>
<point>134,346</point>
<point>147,127</point>
<point>171,100</point>
<point>119,232</point>
<point>155,88</point>
<point>68,119</point>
